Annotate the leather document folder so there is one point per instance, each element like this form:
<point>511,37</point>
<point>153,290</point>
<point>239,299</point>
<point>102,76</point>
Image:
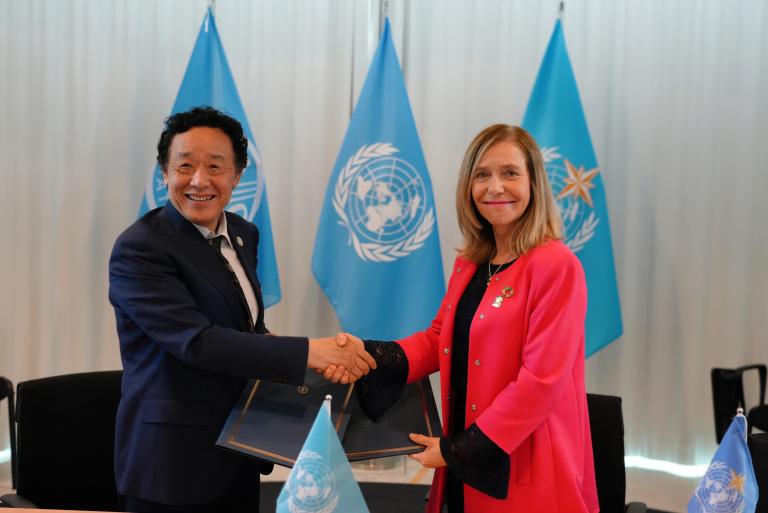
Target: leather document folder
<point>271,421</point>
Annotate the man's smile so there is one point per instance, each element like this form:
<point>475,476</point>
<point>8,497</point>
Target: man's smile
<point>200,197</point>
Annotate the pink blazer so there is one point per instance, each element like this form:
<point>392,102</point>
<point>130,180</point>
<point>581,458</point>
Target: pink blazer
<point>525,381</point>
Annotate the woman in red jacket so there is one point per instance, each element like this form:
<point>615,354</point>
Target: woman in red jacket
<point>508,341</point>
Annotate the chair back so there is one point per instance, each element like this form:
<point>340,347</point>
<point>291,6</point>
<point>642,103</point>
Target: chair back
<point>66,431</point>
<point>728,395</point>
<point>758,449</point>
<point>6,392</point>
<point>607,425</point>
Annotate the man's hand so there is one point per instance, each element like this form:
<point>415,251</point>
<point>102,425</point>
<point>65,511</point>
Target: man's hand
<point>337,373</point>
<point>431,457</point>
<point>343,356</point>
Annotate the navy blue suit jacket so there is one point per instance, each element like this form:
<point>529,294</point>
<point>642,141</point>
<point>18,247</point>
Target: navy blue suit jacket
<point>186,354</point>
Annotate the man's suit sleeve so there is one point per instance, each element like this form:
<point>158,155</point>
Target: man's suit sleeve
<point>145,285</point>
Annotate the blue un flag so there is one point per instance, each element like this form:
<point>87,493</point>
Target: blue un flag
<point>208,81</point>
<point>556,120</point>
<point>377,252</point>
<point>321,479</point>
<point>729,485</point>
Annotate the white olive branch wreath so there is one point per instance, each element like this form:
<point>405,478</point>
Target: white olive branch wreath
<point>374,251</point>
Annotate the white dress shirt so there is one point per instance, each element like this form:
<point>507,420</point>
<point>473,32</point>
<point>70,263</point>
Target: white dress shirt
<point>228,250</point>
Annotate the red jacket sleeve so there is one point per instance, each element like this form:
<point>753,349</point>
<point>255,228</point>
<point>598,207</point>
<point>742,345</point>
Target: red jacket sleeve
<point>422,347</point>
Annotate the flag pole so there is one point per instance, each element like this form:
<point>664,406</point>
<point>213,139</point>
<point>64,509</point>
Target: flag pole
<point>740,413</point>
<point>383,13</point>
<point>561,11</point>
<point>352,68</point>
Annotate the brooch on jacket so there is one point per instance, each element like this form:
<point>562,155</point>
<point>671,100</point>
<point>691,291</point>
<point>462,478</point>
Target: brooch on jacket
<point>505,293</point>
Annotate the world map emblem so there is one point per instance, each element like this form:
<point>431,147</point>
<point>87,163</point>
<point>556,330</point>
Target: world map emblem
<point>721,490</point>
<point>245,199</point>
<point>384,204</point>
<point>312,485</point>
<point>571,186</point>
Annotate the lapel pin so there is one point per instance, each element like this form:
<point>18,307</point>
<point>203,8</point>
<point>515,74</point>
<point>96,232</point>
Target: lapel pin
<point>505,293</point>
<point>239,241</point>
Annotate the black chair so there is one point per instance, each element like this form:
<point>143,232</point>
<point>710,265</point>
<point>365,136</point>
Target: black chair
<point>607,424</point>
<point>728,394</point>
<point>65,441</point>
<point>6,392</point>
<point>758,449</point>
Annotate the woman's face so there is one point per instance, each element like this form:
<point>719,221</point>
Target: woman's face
<point>501,186</point>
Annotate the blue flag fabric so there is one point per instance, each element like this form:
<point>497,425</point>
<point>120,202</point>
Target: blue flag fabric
<point>321,479</point>
<point>208,81</point>
<point>377,251</point>
<point>729,485</point>
<point>556,120</point>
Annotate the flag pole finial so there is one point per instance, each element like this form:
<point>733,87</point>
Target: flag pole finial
<point>740,411</point>
<point>561,11</point>
<point>211,4</point>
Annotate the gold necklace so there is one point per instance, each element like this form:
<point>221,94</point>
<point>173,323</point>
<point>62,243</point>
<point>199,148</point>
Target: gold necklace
<point>490,276</point>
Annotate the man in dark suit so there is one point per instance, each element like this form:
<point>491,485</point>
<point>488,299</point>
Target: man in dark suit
<point>190,320</point>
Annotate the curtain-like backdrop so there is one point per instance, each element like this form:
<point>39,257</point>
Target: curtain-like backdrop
<point>674,94</point>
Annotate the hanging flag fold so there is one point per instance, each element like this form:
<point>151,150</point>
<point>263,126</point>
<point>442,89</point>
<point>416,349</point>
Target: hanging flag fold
<point>729,485</point>
<point>556,120</point>
<point>321,479</point>
<point>377,250</point>
<point>208,81</point>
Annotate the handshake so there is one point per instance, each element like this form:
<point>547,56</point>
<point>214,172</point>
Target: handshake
<point>340,359</point>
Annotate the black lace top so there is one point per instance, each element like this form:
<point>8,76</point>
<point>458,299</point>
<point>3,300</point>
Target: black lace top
<point>471,456</point>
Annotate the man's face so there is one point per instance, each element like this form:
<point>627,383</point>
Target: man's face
<point>201,174</point>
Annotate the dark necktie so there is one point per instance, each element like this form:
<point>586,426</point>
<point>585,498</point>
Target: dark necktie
<point>215,243</point>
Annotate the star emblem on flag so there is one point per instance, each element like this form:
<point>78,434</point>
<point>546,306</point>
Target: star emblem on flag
<point>737,481</point>
<point>578,183</point>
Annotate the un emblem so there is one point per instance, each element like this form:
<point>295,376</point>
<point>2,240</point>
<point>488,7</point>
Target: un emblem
<point>312,485</point>
<point>571,187</point>
<point>721,490</point>
<point>382,201</point>
<point>245,199</point>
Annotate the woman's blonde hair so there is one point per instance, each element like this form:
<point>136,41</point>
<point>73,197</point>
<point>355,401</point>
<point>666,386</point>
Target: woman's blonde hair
<point>540,221</point>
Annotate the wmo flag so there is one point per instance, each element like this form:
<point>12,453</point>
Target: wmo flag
<point>208,82</point>
<point>729,485</point>
<point>321,479</point>
<point>377,252</point>
<point>556,120</point>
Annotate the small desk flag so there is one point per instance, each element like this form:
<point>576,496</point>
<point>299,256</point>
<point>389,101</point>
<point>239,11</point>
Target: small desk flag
<point>321,479</point>
<point>556,120</point>
<point>729,485</point>
<point>208,81</point>
<point>377,251</point>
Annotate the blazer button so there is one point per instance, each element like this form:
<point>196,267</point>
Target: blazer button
<point>446,350</point>
<point>477,363</point>
<point>449,306</point>
<point>482,316</point>
<point>458,270</point>
<point>474,407</point>
<point>448,397</point>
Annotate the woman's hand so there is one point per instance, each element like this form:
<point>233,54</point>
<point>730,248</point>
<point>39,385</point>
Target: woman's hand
<point>431,457</point>
<point>338,373</point>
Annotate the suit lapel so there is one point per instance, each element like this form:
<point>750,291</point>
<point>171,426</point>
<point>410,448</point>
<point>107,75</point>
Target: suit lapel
<point>188,241</point>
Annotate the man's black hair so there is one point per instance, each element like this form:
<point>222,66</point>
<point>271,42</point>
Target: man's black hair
<point>203,116</point>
